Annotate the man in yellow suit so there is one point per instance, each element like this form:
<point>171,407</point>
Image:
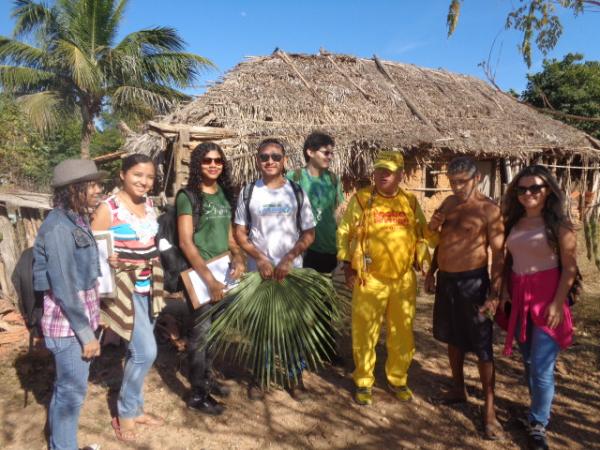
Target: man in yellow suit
<point>382,235</point>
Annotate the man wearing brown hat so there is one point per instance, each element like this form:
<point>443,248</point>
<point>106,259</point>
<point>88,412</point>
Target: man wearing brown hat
<point>66,269</point>
<point>378,239</point>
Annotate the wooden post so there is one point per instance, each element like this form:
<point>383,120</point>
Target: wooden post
<point>30,231</point>
<point>180,149</point>
<point>9,253</point>
<point>423,183</point>
<point>493,191</point>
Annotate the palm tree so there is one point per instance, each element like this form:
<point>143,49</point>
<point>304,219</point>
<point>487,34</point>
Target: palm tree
<point>63,61</point>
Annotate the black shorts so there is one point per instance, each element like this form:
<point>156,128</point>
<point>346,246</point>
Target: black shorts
<point>456,317</point>
<point>321,262</point>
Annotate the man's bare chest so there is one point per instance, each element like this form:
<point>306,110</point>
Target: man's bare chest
<point>467,223</point>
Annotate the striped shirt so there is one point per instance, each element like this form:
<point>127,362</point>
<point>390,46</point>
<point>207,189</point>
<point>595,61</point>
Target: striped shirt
<point>54,322</point>
<point>134,239</point>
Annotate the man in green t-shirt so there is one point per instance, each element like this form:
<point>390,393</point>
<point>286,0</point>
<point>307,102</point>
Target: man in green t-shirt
<point>325,193</point>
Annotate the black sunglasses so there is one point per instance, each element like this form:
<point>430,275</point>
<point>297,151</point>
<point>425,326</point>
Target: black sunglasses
<point>327,153</point>
<point>533,189</point>
<point>264,157</point>
<point>208,161</point>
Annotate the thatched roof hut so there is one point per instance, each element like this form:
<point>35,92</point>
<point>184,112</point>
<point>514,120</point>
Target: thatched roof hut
<point>366,104</point>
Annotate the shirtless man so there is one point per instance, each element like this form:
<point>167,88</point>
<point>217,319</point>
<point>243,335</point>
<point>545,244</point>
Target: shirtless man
<point>470,226</point>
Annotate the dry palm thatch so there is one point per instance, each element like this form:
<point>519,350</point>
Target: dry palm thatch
<point>367,104</point>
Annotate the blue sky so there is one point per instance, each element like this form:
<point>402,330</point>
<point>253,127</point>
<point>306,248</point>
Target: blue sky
<point>404,31</point>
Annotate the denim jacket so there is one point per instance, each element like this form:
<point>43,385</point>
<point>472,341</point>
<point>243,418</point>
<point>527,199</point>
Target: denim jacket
<point>66,262</point>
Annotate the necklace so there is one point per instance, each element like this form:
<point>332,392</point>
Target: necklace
<point>137,209</point>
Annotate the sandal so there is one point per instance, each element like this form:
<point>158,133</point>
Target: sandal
<point>122,435</point>
<point>150,420</point>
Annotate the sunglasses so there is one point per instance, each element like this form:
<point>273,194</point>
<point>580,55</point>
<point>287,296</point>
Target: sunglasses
<point>327,153</point>
<point>533,189</point>
<point>209,161</point>
<point>264,157</point>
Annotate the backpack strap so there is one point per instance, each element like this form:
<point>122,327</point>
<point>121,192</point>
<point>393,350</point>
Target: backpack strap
<point>297,175</point>
<point>246,196</point>
<point>412,201</point>
<point>334,181</point>
<point>299,194</point>
<point>193,198</point>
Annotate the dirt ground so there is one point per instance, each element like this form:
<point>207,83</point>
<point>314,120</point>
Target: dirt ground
<point>329,419</point>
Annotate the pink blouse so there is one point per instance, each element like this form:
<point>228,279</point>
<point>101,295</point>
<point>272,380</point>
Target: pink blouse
<point>530,250</point>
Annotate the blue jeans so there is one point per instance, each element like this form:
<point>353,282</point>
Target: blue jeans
<point>141,354</point>
<point>539,355</point>
<point>69,391</point>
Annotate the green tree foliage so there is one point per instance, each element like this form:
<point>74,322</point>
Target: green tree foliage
<point>20,145</point>
<point>571,86</point>
<point>63,61</point>
<point>27,156</point>
<point>537,20</point>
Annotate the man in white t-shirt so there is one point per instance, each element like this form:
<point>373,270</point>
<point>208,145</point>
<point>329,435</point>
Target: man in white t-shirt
<point>268,225</point>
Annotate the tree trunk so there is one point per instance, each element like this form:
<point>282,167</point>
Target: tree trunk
<point>87,130</point>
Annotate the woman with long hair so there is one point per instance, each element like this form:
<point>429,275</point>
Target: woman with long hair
<point>541,246</point>
<point>204,230</point>
<point>130,216</point>
<point>66,270</point>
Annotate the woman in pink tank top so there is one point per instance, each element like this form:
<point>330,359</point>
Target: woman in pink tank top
<point>541,248</point>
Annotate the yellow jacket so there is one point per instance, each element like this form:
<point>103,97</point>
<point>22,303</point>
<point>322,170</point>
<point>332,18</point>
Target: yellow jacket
<point>379,235</point>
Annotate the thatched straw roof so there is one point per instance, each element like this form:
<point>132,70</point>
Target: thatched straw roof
<point>367,104</point>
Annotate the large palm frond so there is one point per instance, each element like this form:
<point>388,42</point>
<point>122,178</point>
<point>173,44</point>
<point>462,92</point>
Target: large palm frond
<point>151,40</point>
<point>19,80</point>
<point>274,329</point>
<point>174,68</point>
<point>88,23</point>
<point>31,16</point>
<point>21,54</point>
<point>83,70</point>
<point>153,97</point>
<point>152,54</point>
<point>45,109</point>
<point>115,19</point>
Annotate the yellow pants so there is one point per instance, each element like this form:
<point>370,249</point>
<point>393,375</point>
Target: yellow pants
<point>395,299</point>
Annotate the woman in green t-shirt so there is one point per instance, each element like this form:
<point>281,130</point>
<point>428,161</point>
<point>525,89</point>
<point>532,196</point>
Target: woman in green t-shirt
<point>210,182</point>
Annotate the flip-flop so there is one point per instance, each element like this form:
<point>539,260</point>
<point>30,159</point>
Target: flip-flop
<point>150,420</point>
<point>125,436</point>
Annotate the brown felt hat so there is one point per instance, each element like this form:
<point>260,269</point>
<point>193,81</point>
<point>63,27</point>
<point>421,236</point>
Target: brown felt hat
<point>75,171</point>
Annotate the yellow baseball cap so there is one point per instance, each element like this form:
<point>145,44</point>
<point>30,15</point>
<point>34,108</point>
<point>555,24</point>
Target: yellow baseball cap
<point>391,160</point>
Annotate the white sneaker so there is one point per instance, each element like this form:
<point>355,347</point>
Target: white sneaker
<point>92,447</point>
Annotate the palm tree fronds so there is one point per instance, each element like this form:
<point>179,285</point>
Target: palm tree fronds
<point>83,70</point>
<point>151,41</point>
<point>88,23</point>
<point>43,108</point>
<point>127,96</point>
<point>22,79</point>
<point>29,16</point>
<point>277,329</point>
<point>75,40</point>
<point>175,68</point>
<point>115,19</point>
<point>20,53</point>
